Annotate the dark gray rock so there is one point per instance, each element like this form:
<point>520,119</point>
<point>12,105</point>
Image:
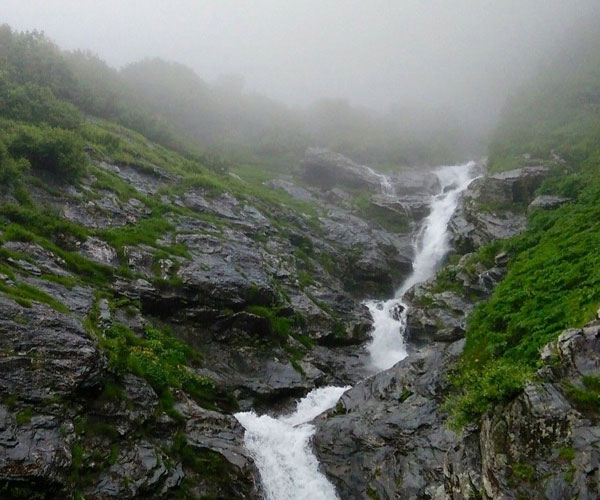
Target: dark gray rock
<point>324,168</point>
<point>493,207</point>
<point>413,181</point>
<point>375,261</point>
<point>297,192</point>
<point>213,432</point>
<point>34,455</point>
<point>45,261</point>
<point>47,354</point>
<point>226,206</point>
<point>215,281</point>
<point>547,202</point>
<point>134,406</point>
<point>105,212</point>
<point>144,180</point>
<point>140,471</point>
<point>99,251</point>
<point>387,436</point>
<point>78,299</point>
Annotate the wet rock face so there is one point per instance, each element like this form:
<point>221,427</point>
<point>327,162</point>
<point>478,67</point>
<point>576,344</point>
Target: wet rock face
<point>415,182</point>
<point>34,455</point>
<point>46,354</point>
<point>373,261</point>
<point>494,207</point>
<point>324,168</point>
<point>386,437</point>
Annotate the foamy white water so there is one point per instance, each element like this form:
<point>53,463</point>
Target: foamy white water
<point>385,184</point>
<point>281,446</point>
<point>281,449</point>
<point>431,244</point>
<point>387,346</point>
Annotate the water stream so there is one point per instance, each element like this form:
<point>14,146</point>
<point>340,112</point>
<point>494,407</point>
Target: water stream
<point>281,446</point>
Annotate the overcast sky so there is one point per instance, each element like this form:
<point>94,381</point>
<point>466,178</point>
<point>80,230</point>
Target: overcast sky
<point>466,54</point>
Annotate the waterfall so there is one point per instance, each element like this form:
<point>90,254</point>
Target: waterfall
<point>387,346</point>
<point>281,446</point>
<point>387,188</point>
<point>281,449</point>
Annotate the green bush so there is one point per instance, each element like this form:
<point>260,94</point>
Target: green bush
<point>163,361</point>
<point>11,170</point>
<point>32,103</point>
<point>55,151</point>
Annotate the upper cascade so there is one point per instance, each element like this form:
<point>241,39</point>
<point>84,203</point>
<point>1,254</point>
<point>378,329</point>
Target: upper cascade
<point>431,245</point>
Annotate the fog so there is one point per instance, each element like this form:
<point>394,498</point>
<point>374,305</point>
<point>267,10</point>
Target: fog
<point>464,55</point>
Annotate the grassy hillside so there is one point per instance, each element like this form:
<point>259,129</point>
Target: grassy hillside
<point>554,274</point>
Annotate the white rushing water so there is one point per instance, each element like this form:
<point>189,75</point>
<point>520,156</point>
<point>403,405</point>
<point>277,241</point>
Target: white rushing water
<point>281,449</point>
<point>431,245</point>
<point>281,446</point>
<point>387,188</point>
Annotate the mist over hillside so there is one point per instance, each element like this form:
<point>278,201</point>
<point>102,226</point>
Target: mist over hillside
<point>366,269</point>
<point>389,83</point>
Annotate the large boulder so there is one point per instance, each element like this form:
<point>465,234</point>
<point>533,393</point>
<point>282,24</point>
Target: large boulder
<point>494,207</point>
<point>325,169</point>
<point>46,354</point>
<point>416,181</point>
<point>387,436</point>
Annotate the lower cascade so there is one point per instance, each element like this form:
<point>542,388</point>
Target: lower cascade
<point>281,449</point>
<point>281,446</point>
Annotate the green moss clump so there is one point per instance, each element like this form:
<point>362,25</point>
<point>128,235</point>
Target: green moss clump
<point>281,325</point>
<point>24,417</point>
<point>524,472</point>
<point>586,398</point>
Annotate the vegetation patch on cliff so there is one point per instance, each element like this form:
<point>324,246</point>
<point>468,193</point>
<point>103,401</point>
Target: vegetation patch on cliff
<point>553,279</point>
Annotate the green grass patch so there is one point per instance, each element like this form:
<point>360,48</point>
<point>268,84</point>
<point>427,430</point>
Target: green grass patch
<point>586,398</point>
<point>282,325</point>
<point>553,283</point>
<point>163,361</point>
<point>24,417</point>
<point>25,294</point>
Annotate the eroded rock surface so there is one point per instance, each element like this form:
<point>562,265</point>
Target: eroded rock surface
<point>494,207</point>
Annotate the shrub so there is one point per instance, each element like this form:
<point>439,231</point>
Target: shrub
<point>55,151</point>
<point>32,103</point>
<point>10,169</point>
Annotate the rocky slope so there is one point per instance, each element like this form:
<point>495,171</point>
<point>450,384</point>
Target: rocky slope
<point>141,307</point>
<point>389,436</point>
<point>145,310</point>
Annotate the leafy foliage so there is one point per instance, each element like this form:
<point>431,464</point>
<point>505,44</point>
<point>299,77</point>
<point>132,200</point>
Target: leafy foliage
<point>162,360</point>
<point>553,280</point>
<point>56,151</point>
